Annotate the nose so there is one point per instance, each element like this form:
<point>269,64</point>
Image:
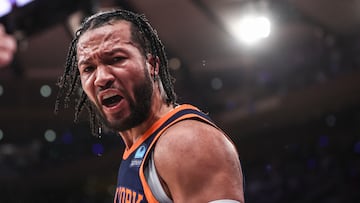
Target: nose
<point>104,77</point>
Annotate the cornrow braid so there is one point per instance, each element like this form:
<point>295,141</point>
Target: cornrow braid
<point>142,34</point>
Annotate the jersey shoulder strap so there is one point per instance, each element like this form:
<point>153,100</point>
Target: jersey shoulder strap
<point>182,112</point>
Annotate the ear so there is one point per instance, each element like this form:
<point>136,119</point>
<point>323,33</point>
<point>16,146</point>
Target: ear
<point>153,65</point>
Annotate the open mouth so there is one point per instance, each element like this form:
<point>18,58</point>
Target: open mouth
<point>111,100</point>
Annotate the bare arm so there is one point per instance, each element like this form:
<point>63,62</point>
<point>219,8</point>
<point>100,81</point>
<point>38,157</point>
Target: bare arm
<point>198,163</point>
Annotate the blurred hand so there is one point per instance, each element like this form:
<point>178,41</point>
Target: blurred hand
<point>7,47</point>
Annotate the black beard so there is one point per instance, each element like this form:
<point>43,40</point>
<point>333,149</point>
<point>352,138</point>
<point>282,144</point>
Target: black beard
<point>140,108</point>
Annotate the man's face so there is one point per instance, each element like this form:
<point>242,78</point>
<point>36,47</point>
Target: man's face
<point>115,75</point>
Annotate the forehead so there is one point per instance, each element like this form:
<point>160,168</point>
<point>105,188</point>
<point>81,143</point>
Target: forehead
<point>112,32</point>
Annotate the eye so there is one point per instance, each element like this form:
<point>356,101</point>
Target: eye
<point>88,69</point>
<point>117,59</point>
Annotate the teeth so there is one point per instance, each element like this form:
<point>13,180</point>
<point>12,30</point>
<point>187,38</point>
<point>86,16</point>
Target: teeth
<point>106,96</point>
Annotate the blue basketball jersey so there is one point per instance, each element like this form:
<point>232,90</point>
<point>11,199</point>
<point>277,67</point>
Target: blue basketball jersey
<point>131,185</point>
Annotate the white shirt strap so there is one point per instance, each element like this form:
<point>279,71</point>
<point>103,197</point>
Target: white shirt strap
<point>225,201</point>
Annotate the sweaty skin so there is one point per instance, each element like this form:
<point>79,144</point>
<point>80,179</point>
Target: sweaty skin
<point>195,161</point>
<point>204,164</point>
<point>111,64</point>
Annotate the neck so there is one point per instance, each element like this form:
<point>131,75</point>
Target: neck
<point>157,111</point>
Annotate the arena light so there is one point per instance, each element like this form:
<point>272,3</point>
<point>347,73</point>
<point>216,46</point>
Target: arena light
<point>250,29</point>
<point>50,135</point>
<point>1,90</point>
<point>20,3</point>
<point>45,90</point>
<point>1,134</point>
<point>6,6</point>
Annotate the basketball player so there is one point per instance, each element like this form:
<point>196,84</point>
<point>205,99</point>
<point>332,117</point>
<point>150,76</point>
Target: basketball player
<point>174,153</point>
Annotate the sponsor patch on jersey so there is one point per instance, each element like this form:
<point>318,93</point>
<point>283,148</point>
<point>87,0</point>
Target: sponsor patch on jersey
<point>138,157</point>
<point>140,153</point>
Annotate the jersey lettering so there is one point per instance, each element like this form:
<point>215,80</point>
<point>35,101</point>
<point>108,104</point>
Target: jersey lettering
<point>125,195</point>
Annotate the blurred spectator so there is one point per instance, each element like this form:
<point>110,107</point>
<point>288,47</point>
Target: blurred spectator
<point>7,47</point>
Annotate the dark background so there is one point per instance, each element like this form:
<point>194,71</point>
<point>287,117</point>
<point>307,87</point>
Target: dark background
<point>290,103</point>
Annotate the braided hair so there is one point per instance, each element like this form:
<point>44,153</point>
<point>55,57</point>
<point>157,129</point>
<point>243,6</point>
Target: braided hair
<point>142,34</point>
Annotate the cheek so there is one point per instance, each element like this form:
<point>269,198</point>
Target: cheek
<point>87,88</point>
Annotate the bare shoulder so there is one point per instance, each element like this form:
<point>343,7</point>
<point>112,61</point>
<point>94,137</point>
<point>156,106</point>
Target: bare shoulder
<point>195,138</point>
<point>191,155</point>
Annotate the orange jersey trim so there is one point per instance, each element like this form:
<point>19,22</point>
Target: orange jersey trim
<point>147,191</point>
<point>154,127</point>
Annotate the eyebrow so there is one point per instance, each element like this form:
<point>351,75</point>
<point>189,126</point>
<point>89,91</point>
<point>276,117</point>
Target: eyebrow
<point>82,62</point>
<point>110,52</point>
